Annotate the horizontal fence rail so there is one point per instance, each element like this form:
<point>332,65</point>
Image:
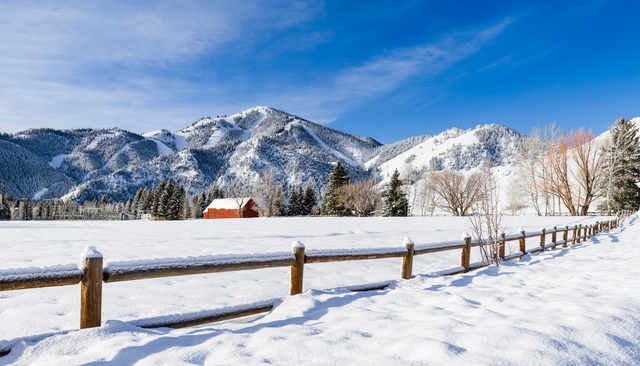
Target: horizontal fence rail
<point>128,271</point>
<point>92,274</point>
<point>27,280</point>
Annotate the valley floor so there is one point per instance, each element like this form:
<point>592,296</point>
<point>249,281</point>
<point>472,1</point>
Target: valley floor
<point>578,305</point>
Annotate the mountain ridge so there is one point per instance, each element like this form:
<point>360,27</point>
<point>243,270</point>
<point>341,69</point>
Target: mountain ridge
<point>87,164</point>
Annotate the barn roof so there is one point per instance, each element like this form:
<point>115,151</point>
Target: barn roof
<point>228,203</point>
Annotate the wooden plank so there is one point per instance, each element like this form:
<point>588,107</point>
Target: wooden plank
<point>91,293</point>
<point>135,273</point>
<point>206,319</point>
<point>501,248</point>
<point>465,260</point>
<point>369,287</point>
<point>323,258</point>
<point>407,261</point>
<point>522,242</point>
<point>535,250</point>
<point>297,269</point>
<point>40,280</point>
<point>436,249</point>
<point>514,256</point>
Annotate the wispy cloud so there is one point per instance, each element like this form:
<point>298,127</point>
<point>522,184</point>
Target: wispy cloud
<point>103,64</point>
<point>388,71</point>
<point>94,62</point>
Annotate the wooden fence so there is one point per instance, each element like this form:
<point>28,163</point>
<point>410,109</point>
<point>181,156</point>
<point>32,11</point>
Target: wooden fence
<point>92,274</point>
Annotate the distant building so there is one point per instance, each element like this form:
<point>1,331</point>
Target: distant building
<point>231,208</point>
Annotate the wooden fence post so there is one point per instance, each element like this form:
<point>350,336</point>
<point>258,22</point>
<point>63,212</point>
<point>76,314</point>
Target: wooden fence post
<point>91,289</point>
<point>297,269</point>
<point>523,246</point>
<point>465,260</point>
<point>503,240</point>
<point>407,262</point>
<point>579,233</point>
<point>554,237</point>
<point>590,231</point>
<point>543,238</point>
<point>565,236</point>
<point>575,229</point>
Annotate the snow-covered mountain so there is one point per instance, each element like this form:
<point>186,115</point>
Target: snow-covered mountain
<point>89,164</point>
<point>454,149</point>
<point>94,163</point>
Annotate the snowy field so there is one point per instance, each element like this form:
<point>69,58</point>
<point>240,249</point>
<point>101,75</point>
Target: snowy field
<point>578,305</point>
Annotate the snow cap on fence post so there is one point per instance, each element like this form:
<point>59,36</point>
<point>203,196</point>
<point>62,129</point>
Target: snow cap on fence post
<point>90,252</point>
<point>520,230</point>
<point>407,241</point>
<point>465,235</point>
<point>296,245</point>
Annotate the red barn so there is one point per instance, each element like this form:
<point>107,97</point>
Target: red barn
<point>231,208</point>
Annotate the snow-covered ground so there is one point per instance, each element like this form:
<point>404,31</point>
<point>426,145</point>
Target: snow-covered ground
<point>578,305</point>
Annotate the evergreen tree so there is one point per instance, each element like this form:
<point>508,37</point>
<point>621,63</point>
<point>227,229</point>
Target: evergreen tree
<point>203,202</point>
<point>5,213</point>
<point>622,168</point>
<point>177,203</point>
<point>144,202</point>
<point>333,204</point>
<point>278,208</point>
<point>153,200</point>
<point>395,199</point>
<point>294,203</point>
<point>309,201</point>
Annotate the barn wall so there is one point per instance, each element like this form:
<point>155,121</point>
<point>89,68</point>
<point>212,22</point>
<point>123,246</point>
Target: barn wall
<point>219,213</point>
<point>249,211</point>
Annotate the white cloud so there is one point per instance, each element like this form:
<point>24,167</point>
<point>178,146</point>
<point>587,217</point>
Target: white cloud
<point>91,64</point>
<point>101,64</point>
<point>126,31</point>
<point>386,72</point>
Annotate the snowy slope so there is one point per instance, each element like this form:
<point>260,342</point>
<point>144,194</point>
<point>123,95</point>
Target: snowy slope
<point>455,149</point>
<point>116,163</point>
<point>554,308</point>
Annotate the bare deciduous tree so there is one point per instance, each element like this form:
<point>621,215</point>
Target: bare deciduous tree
<point>590,162</point>
<point>573,170</point>
<point>486,222</point>
<point>530,162</point>
<point>361,197</point>
<point>268,193</point>
<point>515,201</point>
<point>457,191</point>
<point>424,192</point>
<point>239,191</point>
<point>557,176</point>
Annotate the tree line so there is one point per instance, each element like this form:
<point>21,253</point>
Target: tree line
<point>557,173</point>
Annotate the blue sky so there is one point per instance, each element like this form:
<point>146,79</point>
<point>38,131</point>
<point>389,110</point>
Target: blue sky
<point>385,69</point>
